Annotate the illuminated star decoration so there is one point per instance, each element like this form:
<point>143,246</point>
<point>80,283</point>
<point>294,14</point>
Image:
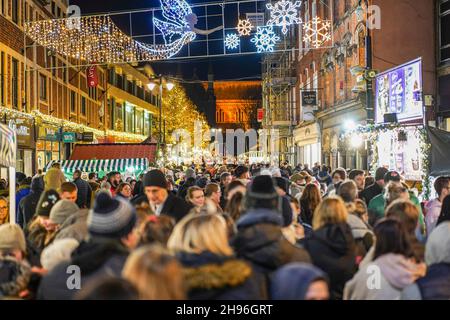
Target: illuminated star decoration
<point>283,14</point>
<point>265,39</point>
<point>244,27</point>
<point>232,41</point>
<point>317,32</point>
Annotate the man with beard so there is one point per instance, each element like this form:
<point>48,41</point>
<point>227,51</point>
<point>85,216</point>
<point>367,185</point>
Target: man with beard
<point>114,179</point>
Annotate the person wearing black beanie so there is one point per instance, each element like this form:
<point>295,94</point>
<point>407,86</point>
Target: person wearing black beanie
<point>160,199</point>
<point>111,225</point>
<point>259,238</point>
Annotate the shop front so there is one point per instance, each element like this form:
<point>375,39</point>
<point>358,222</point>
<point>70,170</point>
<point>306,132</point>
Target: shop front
<point>24,128</point>
<point>48,146</point>
<point>308,143</point>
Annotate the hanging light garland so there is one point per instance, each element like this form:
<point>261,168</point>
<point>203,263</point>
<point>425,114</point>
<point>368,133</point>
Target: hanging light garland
<point>98,39</point>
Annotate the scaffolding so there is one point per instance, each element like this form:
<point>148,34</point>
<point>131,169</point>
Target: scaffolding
<point>279,81</point>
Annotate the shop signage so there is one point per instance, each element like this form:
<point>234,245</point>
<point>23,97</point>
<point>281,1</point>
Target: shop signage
<point>399,91</point>
<point>24,129</point>
<point>85,137</point>
<point>260,114</point>
<point>309,98</point>
<point>92,77</point>
<point>52,134</point>
<point>69,137</point>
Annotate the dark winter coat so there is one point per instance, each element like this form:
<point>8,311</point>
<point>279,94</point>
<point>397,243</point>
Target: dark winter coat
<point>84,194</point>
<point>20,194</point>
<point>260,241</point>
<point>332,249</point>
<point>182,190</point>
<point>306,213</point>
<point>96,258</point>
<point>436,283</point>
<point>174,207</point>
<point>212,277</point>
<point>370,192</point>
<point>28,204</point>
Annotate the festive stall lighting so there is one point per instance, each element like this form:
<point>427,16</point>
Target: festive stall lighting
<point>317,32</point>
<point>244,27</point>
<point>265,39</point>
<point>283,14</point>
<point>232,41</point>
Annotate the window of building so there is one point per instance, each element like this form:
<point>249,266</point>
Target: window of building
<point>54,65</point>
<point>443,29</point>
<point>93,93</point>
<point>42,87</point>
<point>129,119</point>
<point>73,102</point>
<point>2,78</point>
<point>53,8</point>
<point>15,83</point>
<point>83,106</point>
<point>15,10</point>
<point>139,122</point>
<point>3,8</point>
<point>336,10</point>
<point>112,76</point>
<point>58,12</point>
<point>118,115</point>
<point>147,123</point>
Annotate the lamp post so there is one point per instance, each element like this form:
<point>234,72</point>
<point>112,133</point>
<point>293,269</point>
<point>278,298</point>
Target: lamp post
<point>154,81</point>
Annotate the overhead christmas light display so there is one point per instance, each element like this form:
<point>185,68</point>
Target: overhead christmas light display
<point>265,39</point>
<point>283,14</point>
<point>244,27</point>
<point>232,41</point>
<point>98,39</point>
<point>317,32</point>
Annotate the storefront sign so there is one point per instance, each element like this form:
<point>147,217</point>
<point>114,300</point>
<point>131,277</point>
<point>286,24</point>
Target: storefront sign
<point>24,129</point>
<point>309,98</point>
<point>399,91</point>
<point>69,137</point>
<point>260,114</point>
<point>52,134</point>
<point>85,136</point>
<point>92,77</point>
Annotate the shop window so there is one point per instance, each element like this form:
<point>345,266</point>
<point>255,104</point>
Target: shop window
<point>147,123</point>
<point>139,121</point>
<point>129,119</point>
<point>118,116</point>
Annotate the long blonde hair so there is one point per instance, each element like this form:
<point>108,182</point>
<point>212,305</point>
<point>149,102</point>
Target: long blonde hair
<point>155,273</point>
<point>197,233</point>
<point>331,210</point>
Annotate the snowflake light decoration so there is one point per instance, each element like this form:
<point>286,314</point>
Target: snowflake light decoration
<point>244,27</point>
<point>232,41</point>
<point>317,32</point>
<point>283,14</point>
<point>265,39</point>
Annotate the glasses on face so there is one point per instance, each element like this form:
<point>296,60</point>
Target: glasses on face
<point>3,208</point>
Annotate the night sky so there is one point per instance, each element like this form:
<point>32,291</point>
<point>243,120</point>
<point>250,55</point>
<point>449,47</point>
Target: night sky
<point>225,68</point>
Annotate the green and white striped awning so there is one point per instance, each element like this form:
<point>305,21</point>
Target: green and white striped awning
<point>108,165</point>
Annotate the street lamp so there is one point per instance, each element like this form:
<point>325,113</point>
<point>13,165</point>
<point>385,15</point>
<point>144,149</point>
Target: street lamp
<point>159,80</point>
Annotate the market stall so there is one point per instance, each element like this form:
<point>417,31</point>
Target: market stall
<point>127,167</point>
<point>8,156</point>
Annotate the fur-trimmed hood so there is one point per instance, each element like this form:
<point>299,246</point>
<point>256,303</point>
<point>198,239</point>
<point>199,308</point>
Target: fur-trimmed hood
<point>207,271</point>
<point>14,277</point>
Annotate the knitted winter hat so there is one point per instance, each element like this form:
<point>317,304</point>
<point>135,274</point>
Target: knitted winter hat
<point>46,202</point>
<point>12,238</point>
<point>62,210</point>
<point>155,178</point>
<point>262,187</point>
<point>111,218</point>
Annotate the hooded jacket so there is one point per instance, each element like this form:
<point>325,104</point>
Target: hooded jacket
<point>212,277</point>
<point>435,285</point>
<point>14,277</point>
<point>395,273</point>
<point>260,241</point>
<point>23,191</point>
<point>362,234</point>
<point>74,227</point>
<point>332,249</point>
<point>96,257</point>
<point>27,206</point>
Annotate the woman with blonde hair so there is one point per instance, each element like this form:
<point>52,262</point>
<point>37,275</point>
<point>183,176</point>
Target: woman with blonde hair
<point>331,244</point>
<point>200,242</point>
<point>155,273</point>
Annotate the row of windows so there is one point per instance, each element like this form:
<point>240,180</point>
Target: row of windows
<point>444,9</point>
<point>13,71</point>
<point>120,81</point>
<point>124,117</point>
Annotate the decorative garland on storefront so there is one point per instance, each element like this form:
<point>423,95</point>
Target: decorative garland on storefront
<point>371,133</point>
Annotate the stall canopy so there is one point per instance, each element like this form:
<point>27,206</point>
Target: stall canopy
<point>114,151</point>
<point>440,151</point>
<point>103,165</point>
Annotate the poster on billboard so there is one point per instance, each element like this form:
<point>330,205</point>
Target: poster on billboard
<point>399,91</point>
<point>400,151</point>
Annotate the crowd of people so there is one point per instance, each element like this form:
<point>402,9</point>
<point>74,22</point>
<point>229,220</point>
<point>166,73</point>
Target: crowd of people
<point>216,232</point>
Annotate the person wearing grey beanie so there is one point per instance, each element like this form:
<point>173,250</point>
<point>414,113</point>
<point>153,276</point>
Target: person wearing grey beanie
<point>111,225</point>
<point>62,210</point>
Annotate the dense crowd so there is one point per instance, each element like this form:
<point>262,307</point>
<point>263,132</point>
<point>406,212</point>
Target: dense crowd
<point>216,232</point>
